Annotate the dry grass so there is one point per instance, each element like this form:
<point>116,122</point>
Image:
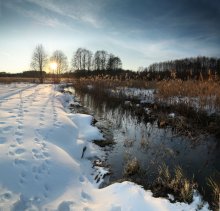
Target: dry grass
<point>203,94</point>
<point>200,95</point>
<point>190,100</point>
<point>132,167</point>
<point>175,183</point>
<point>215,188</point>
<point>18,79</point>
<point>32,80</point>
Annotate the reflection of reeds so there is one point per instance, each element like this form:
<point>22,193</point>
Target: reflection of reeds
<point>215,188</point>
<point>175,183</point>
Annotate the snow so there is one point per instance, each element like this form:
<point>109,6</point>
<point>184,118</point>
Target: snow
<point>171,115</point>
<point>41,145</point>
<point>144,95</point>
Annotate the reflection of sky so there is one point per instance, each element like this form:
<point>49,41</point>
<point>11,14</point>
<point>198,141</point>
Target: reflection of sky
<point>140,32</point>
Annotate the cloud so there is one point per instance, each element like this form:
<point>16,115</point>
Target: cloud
<point>40,18</point>
<point>85,12</point>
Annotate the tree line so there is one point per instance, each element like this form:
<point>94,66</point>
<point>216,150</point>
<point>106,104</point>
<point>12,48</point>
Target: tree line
<point>85,64</point>
<point>83,60</point>
<point>106,65</point>
<point>189,68</point>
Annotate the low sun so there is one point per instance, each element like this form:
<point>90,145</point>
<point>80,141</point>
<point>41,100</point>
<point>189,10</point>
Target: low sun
<point>53,65</point>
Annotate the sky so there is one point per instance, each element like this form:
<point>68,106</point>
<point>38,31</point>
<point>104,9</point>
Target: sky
<point>140,32</point>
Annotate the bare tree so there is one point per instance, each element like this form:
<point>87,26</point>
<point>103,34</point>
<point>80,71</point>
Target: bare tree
<point>39,60</point>
<point>88,59</point>
<point>82,59</point>
<point>114,63</point>
<point>77,59</point>
<point>61,62</point>
<point>100,60</point>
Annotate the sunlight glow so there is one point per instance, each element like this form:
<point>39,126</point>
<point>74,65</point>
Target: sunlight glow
<point>53,66</point>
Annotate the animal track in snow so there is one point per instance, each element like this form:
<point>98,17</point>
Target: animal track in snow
<point>85,196</point>
<point>3,140</point>
<point>20,127</point>
<point>19,151</point>
<point>81,179</point>
<point>5,196</point>
<point>20,162</point>
<point>23,174</point>
<point>13,145</point>
<point>19,140</point>
<point>18,133</point>
<point>7,129</point>
<point>46,154</point>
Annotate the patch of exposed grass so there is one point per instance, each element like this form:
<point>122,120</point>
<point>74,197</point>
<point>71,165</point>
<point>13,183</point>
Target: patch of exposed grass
<point>204,95</point>
<point>174,183</point>
<point>215,189</point>
<point>132,167</point>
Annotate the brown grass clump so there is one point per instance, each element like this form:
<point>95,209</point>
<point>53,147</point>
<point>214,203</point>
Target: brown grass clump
<point>132,167</point>
<point>215,189</point>
<point>175,183</point>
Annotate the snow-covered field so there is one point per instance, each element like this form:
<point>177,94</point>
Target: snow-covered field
<point>41,168</point>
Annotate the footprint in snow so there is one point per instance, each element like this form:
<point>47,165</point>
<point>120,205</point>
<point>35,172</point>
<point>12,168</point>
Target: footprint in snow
<point>18,121</point>
<point>87,209</point>
<point>20,127</point>
<point>81,179</point>
<point>85,196</point>
<point>7,129</point>
<point>13,145</point>
<point>11,153</point>
<point>46,187</point>
<point>66,206</point>
<point>3,140</point>
<point>12,117</point>
<point>46,154</point>
<point>115,208</point>
<point>19,133</point>
<point>23,174</point>
<point>19,140</point>
<point>20,115</point>
<point>19,151</point>
<point>21,181</point>
<point>45,195</point>
<point>20,162</point>
<point>41,124</point>
<point>37,140</point>
<point>6,196</point>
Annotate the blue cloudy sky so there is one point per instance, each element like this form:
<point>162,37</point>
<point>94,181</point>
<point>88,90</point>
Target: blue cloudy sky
<point>140,32</point>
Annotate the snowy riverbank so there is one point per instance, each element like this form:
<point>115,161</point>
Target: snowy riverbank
<point>41,168</point>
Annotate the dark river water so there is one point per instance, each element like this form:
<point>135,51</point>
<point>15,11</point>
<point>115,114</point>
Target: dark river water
<point>151,145</point>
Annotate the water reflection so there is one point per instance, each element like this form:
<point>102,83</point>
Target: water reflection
<point>152,145</point>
